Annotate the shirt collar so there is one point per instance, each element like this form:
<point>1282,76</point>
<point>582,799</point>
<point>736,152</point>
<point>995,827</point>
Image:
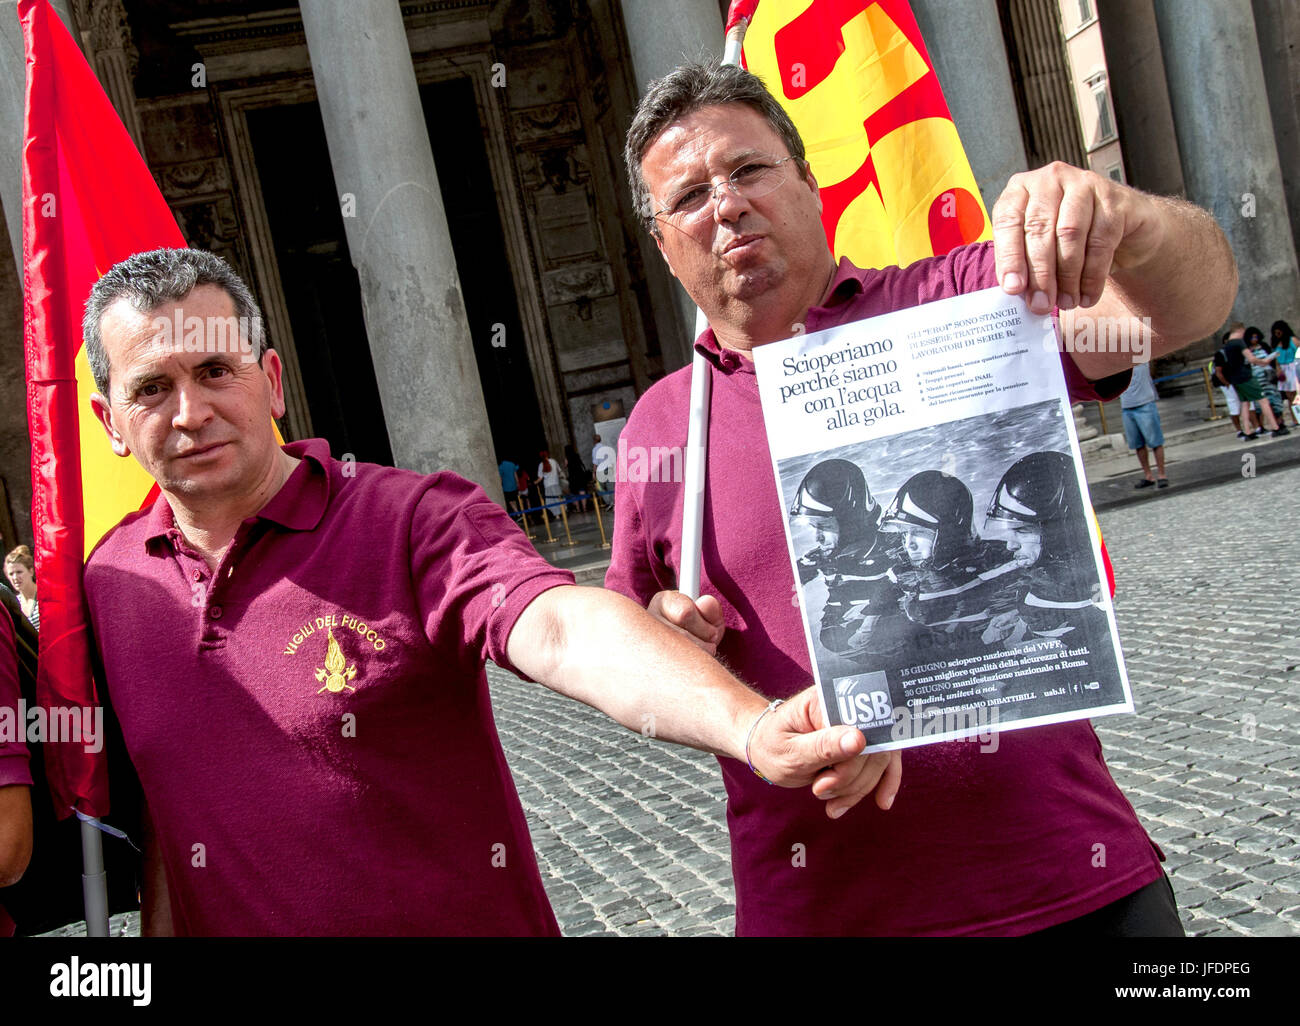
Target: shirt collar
<point>847,282</point>
<point>299,505</point>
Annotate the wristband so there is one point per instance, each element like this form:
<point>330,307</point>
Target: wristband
<point>750,737</point>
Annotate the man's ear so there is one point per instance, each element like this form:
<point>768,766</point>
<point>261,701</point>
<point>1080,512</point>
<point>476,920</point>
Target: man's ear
<point>812,183</point>
<point>659,241</point>
<point>104,414</point>
<point>273,368</point>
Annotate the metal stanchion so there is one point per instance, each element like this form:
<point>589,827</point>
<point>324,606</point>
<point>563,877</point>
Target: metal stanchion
<point>528,531</point>
<point>546,516</point>
<point>600,521</point>
<point>1209,394</point>
<point>564,516</point>
<point>1101,411</point>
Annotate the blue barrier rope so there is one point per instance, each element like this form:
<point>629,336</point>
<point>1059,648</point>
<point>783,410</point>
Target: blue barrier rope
<point>1180,374</point>
<point>563,502</point>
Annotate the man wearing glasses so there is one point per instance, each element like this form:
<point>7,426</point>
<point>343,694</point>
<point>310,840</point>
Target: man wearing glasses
<point>1034,835</point>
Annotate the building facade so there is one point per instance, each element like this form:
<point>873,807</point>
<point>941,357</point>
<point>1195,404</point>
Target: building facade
<point>1086,58</point>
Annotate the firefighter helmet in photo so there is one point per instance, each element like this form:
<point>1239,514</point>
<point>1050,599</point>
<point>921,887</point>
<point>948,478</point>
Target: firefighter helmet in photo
<point>837,490</point>
<point>1040,490</point>
<point>940,503</point>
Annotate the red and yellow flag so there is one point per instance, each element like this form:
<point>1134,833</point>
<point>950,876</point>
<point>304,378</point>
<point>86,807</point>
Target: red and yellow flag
<point>88,202</point>
<point>855,78</point>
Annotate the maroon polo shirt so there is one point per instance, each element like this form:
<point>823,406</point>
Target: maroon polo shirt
<point>311,721</point>
<point>976,843</point>
<point>14,765</point>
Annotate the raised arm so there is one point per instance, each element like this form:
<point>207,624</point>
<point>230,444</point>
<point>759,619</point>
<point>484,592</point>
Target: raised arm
<point>668,687</point>
<point>1098,249</point>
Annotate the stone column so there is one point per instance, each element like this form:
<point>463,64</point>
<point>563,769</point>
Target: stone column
<point>1136,69</point>
<point>663,34</point>
<point>15,446</point>
<point>666,33</point>
<point>399,241</point>
<point>1225,140</point>
<point>1277,27</point>
<point>970,57</point>
<point>13,86</point>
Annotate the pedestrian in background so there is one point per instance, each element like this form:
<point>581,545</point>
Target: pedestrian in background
<point>524,482</point>
<point>1284,349</point>
<point>549,473</point>
<point>1142,429</point>
<point>599,455</point>
<point>1264,373</point>
<point>20,569</point>
<point>579,477</point>
<point>509,483</point>
<point>1218,373</point>
<point>1236,371</point>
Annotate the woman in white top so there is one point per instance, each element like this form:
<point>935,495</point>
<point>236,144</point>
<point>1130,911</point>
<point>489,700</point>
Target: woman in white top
<point>548,473</point>
<point>20,568</point>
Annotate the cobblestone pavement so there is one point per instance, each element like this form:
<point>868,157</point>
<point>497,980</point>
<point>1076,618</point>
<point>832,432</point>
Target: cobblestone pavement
<point>1211,760</point>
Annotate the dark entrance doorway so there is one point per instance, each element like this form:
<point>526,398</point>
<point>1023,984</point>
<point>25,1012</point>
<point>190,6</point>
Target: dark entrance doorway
<point>323,296</point>
<point>321,291</point>
<point>465,181</point>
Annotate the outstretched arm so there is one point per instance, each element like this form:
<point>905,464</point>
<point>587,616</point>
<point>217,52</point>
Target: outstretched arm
<point>155,900</point>
<point>665,685</point>
<point>15,832</point>
<point>1097,249</point>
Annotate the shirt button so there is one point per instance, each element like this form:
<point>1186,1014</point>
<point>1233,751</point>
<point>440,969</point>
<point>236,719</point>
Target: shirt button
<point>198,575</point>
<point>215,612</point>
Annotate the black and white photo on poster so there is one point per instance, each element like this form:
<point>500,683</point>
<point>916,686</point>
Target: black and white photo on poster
<point>958,590</point>
<point>946,558</point>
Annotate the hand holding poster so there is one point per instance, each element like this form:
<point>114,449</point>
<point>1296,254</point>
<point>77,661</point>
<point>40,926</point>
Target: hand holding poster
<point>948,565</point>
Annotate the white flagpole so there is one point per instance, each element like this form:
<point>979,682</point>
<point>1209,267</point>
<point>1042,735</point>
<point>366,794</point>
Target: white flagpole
<point>697,435</point>
<point>94,880</point>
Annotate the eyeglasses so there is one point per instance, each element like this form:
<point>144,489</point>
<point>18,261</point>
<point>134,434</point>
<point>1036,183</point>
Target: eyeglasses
<point>751,180</point>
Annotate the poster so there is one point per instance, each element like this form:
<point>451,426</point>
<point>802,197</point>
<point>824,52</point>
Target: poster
<point>945,553</point>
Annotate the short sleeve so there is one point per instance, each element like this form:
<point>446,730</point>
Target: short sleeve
<point>631,571</point>
<point>636,567</point>
<point>14,761</point>
<point>1082,390</point>
<point>473,570</point>
<point>974,267</point>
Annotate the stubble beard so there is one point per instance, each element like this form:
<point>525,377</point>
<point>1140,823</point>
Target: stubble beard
<point>747,285</point>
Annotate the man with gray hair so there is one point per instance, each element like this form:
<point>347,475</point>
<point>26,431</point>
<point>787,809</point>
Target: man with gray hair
<point>295,646</point>
<point>1033,835</point>
<point>147,280</point>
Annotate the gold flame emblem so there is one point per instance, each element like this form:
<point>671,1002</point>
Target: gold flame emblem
<point>336,672</point>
